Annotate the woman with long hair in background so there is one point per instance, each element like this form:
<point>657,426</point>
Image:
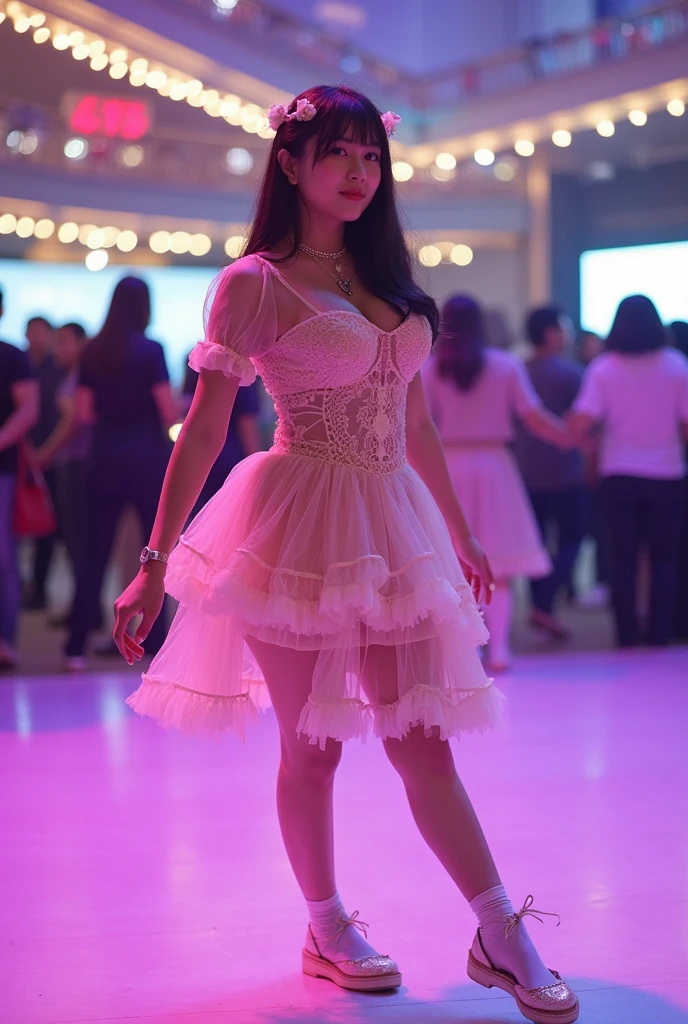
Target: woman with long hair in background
<point>329,568</point>
<point>124,394</point>
<point>636,395</point>
<point>474,392</point>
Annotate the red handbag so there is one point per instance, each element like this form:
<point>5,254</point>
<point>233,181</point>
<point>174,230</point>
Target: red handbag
<point>34,513</point>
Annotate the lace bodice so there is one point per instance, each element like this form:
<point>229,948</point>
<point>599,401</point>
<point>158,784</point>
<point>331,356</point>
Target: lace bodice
<point>339,387</point>
<point>338,382</point>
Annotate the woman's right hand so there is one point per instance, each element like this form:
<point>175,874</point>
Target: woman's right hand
<point>144,596</point>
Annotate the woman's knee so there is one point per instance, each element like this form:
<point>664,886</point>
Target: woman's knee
<point>308,762</point>
<point>417,754</point>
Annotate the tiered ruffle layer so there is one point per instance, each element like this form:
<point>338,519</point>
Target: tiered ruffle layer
<point>314,556</point>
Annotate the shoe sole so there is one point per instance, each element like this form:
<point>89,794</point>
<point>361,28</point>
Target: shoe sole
<point>316,967</point>
<point>493,979</point>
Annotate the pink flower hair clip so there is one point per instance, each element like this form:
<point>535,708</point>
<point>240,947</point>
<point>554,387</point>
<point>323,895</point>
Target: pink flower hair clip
<point>390,120</point>
<point>277,115</point>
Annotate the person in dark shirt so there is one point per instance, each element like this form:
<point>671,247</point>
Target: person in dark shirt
<point>243,436</point>
<point>554,478</point>
<point>19,401</point>
<point>124,392</point>
<point>40,337</point>
<point>67,448</point>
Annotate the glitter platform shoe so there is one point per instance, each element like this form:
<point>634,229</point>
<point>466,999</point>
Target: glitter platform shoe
<point>551,1004</point>
<point>364,974</point>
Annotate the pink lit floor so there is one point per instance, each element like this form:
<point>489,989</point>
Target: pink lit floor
<point>143,877</point>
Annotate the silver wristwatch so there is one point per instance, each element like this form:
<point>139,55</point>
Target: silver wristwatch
<point>148,555</point>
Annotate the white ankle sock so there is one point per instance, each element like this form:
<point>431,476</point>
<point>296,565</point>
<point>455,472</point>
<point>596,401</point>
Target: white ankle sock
<point>517,954</point>
<point>350,944</point>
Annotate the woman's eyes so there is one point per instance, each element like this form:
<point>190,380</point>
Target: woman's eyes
<point>340,149</point>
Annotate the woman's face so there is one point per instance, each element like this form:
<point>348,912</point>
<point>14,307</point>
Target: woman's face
<point>340,185</point>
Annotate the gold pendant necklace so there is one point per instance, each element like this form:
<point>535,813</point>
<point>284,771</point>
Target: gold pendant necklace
<point>342,282</point>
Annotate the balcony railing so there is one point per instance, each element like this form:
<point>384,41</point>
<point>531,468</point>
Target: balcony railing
<point>614,39</point>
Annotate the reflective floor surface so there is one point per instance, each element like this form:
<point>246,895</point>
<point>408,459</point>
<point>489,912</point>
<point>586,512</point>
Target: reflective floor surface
<point>143,877</point>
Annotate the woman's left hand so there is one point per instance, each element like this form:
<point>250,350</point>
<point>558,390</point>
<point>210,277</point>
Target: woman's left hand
<point>476,568</point>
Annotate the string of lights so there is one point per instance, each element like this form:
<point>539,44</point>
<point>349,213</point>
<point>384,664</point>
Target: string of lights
<point>98,241</point>
<point>122,63</point>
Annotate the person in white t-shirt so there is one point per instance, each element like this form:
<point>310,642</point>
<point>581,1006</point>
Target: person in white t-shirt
<point>637,392</point>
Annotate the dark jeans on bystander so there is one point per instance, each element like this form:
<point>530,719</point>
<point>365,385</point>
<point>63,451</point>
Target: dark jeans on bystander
<point>643,512</point>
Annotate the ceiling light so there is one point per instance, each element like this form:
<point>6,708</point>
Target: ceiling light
<point>402,171</point>
<point>99,62</point>
<point>139,64</point>
<point>61,41</point>
<point>25,226</point>
<point>68,232</point>
<point>199,245</point>
<point>127,241</point>
<point>44,228</point>
<point>179,242</point>
<point>118,56</point>
<point>239,161</point>
<point>81,52</point>
<point>76,38</point>
<point>440,175</point>
<point>676,107</point>
<point>429,255</point>
<point>484,157</point>
<point>605,128</point>
<point>8,224</point>
<point>637,117</point>
<point>524,147</point>
<point>119,70</point>
<point>97,47</point>
<point>96,239</point>
<point>504,171</point>
<point>22,24</point>
<point>234,246</point>
<point>461,255</point>
<point>41,35</point>
<point>561,137</point>
<point>97,260</point>
<point>446,161</point>
<point>132,156</point>
<point>76,149</point>
<point>110,236</point>
<point>159,241</point>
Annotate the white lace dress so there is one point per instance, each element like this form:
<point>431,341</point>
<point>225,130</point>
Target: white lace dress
<point>329,542</point>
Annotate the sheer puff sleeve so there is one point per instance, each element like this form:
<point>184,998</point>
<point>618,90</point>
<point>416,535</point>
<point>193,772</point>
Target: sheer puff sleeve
<point>240,321</point>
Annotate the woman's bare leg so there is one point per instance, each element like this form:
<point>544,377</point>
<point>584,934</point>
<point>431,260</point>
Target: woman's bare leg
<point>306,773</point>
<point>305,798</point>
<point>447,821</point>
<point>498,615</point>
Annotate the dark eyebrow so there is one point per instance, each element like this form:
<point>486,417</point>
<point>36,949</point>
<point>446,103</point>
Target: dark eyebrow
<point>368,145</point>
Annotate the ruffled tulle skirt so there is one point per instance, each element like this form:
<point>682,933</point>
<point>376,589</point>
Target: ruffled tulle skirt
<point>318,557</point>
<point>488,484</point>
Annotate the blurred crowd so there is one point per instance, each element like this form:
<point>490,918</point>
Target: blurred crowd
<point>583,441</point>
<point>86,428</point>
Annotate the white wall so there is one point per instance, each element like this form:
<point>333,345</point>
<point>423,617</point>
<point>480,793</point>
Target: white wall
<point>497,278</point>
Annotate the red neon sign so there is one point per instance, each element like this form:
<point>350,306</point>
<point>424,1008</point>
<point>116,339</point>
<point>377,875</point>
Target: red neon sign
<point>114,118</point>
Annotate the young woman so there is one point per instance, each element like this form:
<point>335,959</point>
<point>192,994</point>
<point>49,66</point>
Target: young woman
<point>327,567</point>
<point>474,393</point>
<point>636,392</point>
<point>124,393</point>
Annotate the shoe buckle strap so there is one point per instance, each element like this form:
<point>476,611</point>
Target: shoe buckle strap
<point>513,920</point>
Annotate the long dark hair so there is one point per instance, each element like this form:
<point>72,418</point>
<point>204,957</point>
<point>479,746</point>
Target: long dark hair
<point>637,327</point>
<point>376,240</point>
<point>128,315</point>
<point>461,347</point>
